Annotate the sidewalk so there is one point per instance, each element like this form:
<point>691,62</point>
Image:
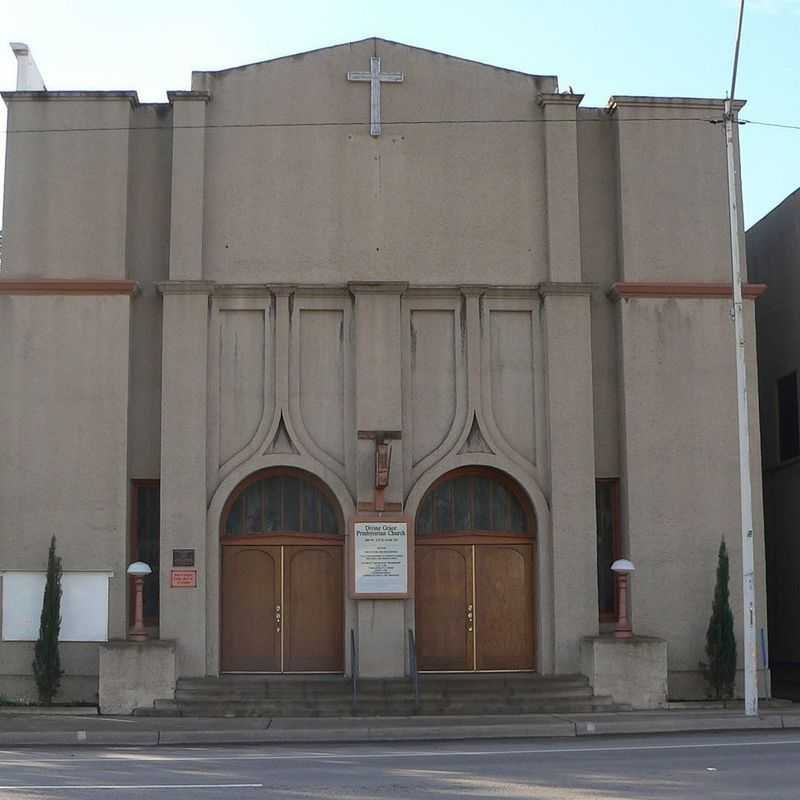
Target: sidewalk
<point>44,730</point>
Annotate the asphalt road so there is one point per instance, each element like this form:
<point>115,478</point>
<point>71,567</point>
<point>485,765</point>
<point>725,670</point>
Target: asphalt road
<point>753,766</point>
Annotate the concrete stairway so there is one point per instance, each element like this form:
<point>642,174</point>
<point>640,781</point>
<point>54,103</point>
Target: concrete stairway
<point>331,696</point>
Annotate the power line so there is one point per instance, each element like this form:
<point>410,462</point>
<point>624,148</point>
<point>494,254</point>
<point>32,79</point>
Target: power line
<point>784,125</point>
<point>236,125</point>
<point>421,122</point>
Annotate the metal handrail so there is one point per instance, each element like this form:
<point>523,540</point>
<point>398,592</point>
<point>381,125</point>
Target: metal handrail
<point>354,665</point>
<point>412,664</point>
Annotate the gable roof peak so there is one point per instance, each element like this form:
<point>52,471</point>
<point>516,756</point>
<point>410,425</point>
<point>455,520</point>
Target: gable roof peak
<point>375,41</point>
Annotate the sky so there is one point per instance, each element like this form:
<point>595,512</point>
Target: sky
<point>599,47</point>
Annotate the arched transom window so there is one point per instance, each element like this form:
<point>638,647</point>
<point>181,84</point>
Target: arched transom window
<point>280,502</point>
<point>475,501</point>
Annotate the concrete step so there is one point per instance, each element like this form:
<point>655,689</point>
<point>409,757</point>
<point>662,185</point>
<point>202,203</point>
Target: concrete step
<point>241,687</point>
<point>331,695</point>
<point>427,695</point>
<point>373,710</point>
<point>379,706</point>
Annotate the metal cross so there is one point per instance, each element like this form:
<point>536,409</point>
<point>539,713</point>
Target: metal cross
<point>375,78</point>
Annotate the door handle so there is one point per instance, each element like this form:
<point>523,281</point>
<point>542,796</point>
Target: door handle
<point>278,618</point>
<point>469,617</point>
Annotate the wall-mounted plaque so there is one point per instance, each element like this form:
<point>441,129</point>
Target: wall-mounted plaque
<point>381,556</point>
<point>183,578</point>
<point>183,558</point>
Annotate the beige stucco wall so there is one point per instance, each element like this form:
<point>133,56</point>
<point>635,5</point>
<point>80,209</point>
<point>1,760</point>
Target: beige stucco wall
<point>147,262</point>
<point>63,435</point>
<point>472,194</point>
<point>597,161</point>
<point>662,191</point>
<point>66,194</point>
<point>681,488</point>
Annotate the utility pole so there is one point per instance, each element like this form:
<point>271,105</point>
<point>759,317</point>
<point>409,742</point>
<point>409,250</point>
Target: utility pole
<point>746,490</point>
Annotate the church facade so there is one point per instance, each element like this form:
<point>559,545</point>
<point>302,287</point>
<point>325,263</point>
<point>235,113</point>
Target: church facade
<point>370,283</point>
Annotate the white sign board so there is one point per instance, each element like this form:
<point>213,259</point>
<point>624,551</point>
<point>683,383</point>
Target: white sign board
<point>381,557</point>
<point>84,606</point>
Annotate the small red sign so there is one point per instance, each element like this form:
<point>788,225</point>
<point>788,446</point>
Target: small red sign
<point>183,578</point>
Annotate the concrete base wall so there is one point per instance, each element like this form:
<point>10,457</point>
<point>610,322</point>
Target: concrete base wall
<point>691,685</point>
<point>134,674</point>
<point>381,638</point>
<point>73,689</point>
<point>632,671</point>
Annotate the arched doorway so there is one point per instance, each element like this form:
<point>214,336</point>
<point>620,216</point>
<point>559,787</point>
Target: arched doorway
<point>475,559</point>
<point>282,589</point>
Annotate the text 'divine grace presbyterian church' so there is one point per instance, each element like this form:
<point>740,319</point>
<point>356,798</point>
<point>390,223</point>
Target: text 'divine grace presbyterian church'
<point>365,347</point>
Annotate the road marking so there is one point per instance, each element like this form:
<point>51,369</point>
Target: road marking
<point>112,786</point>
<point>156,757</point>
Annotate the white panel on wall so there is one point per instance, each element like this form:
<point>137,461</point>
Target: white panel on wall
<point>84,606</point>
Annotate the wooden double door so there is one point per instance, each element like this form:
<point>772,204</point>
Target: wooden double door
<point>282,608</point>
<point>475,606</point>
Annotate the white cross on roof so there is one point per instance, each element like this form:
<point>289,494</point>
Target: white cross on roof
<point>375,78</point>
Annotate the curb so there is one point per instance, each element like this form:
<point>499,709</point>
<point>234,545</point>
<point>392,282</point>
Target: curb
<point>52,711</point>
<point>543,730</point>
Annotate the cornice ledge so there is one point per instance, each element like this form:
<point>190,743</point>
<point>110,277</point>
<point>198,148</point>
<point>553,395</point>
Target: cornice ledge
<point>512,291</point>
<point>186,287</point>
<point>282,289</point>
<point>172,96</point>
<point>562,287</point>
<point>559,99</point>
<point>322,290</point>
<point>474,289</point>
<point>125,94</point>
<point>433,290</point>
<point>377,287</point>
<point>639,101</point>
<point>625,290</point>
<point>68,286</point>
<point>240,290</point>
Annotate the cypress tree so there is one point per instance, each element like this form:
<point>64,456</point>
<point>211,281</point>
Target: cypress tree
<point>720,638</point>
<point>47,662</point>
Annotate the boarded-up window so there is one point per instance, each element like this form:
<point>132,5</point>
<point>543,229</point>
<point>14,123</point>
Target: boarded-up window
<point>146,543</point>
<point>608,549</point>
<point>788,423</point>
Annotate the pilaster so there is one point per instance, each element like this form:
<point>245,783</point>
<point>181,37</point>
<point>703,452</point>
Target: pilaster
<point>561,165</point>
<point>567,332</point>
<point>378,331</point>
<point>183,465</point>
<point>188,184</point>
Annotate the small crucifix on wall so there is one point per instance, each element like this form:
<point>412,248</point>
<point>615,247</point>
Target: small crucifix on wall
<point>375,78</point>
<point>381,475</point>
<point>383,463</point>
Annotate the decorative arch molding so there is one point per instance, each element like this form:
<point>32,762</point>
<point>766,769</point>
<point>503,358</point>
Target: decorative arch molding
<point>433,344</point>
<point>471,344</point>
<point>520,313</point>
<point>216,507</point>
<point>273,340</point>
<point>544,544</point>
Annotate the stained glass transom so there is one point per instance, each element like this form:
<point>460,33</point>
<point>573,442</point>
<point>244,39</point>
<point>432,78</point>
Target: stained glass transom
<point>281,504</point>
<point>471,503</point>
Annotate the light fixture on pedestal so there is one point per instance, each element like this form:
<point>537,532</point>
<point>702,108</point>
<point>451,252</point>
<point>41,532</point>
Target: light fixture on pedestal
<point>138,570</point>
<point>622,567</point>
